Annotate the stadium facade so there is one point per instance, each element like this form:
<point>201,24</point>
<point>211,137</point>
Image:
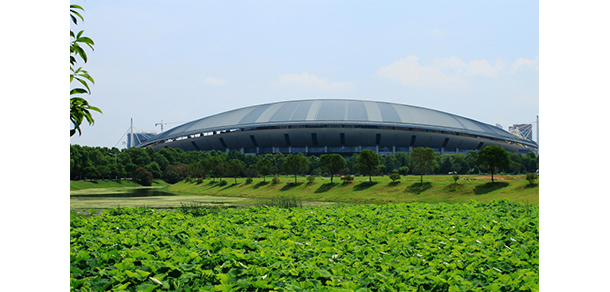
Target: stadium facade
<point>336,126</point>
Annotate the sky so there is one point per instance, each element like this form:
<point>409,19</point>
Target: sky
<point>178,61</point>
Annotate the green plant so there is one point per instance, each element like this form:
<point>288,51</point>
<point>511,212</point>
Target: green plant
<point>199,180</point>
<point>80,109</point>
<point>222,183</point>
<point>531,177</point>
<point>347,179</point>
<point>275,180</point>
<point>368,161</point>
<point>491,246</point>
<point>332,163</point>
<point>492,157</point>
<point>310,179</point>
<point>249,180</point>
<point>394,177</point>
<point>280,202</point>
<point>143,176</point>
<point>423,161</point>
<point>455,178</point>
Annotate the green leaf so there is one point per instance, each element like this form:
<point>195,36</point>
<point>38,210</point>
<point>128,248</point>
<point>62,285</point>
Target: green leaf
<point>78,91</point>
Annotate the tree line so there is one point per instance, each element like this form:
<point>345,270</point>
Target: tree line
<point>173,164</point>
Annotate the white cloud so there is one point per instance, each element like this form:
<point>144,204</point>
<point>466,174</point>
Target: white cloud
<point>523,63</point>
<point>480,67</point>
<point>446,73</point>
<point>435,32</point>
<point>214,81</point>
<point>452,62</point>
<point>306,80</point>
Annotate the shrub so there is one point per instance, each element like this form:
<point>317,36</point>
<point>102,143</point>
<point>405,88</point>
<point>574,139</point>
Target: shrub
<point>455,178</point>
<point>248,180</point>
<point>310,179</point>
<point>187,179</point>
<point>531,177</point>
<point>394,177</point>
<point>174,173</point>
<point>143,176</point>
<point>222,183</point>
<point>199,180</point>
<point>275,180</point>
<point>347,179</point>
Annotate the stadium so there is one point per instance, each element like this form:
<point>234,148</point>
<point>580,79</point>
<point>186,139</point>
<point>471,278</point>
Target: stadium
<point>315,127</point>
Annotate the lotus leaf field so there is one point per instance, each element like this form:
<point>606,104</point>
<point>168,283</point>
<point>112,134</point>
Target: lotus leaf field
<point>475,246</point>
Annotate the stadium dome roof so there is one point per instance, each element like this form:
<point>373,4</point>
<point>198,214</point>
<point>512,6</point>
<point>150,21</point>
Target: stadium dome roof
<point>335,111</point>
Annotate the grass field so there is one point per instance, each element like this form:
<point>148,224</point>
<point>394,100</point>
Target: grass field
<point>436,188</point>
<point>83,185</point>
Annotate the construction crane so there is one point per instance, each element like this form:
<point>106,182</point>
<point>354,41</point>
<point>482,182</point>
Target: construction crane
<point>162,123</point>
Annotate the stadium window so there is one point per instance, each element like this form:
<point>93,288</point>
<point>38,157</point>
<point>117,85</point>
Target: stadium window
<point>314,138</point>
<point>287,139</point>
<point>445,142</point>
<point>253,140</point>
<point>480,146</point>
<point>412,140</point>
<point>342,138</point>
<point>378,139</point>
<point>222,141</point>
<point>195,144</point>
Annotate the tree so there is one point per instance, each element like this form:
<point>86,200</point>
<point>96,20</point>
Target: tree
<point>423,160</point>
<point>368,161</point>
<point>265,167</point>
<point>332,163</point>
<point>217,166</point>
<point>403,170</point>
<point>394,177</point>
<point>531,177</point>
<point>155,169</point>
<point>235,167</point>
<point>492,157</point>
<point>80,109</point>
<point>296,164</point>
<point>143,176</point>
<point>391,162</point>
<point>174,173</point>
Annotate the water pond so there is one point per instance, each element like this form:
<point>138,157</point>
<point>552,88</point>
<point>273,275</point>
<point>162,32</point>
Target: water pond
<point>130,193</point>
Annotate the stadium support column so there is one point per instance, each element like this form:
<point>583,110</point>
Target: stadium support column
<point>393,149</point>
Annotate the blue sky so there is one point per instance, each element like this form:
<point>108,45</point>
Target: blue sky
<point>178,61</point>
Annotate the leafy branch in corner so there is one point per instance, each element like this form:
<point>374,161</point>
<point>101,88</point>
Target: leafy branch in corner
<point>80,109</point>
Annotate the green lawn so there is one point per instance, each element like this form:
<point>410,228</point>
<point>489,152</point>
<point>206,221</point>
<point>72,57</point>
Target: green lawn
<point>436,188</point>
<point>81,185</point>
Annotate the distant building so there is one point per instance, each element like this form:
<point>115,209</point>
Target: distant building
<point>523,130</point>
<point>138,138</point>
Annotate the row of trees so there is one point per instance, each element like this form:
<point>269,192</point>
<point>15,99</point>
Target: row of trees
<point>172,164</point>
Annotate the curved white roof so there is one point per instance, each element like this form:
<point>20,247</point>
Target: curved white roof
<point>335,111</point>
